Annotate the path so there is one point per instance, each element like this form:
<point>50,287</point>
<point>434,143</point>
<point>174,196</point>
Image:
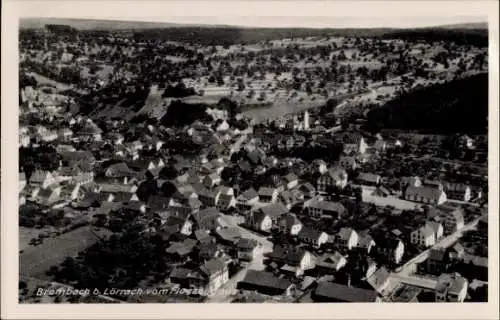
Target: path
<point>224,293</point>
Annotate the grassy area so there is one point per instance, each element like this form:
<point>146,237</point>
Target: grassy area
<point>34,261</point>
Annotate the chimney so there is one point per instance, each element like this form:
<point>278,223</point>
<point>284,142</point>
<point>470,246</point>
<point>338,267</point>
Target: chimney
<point>348,280</point>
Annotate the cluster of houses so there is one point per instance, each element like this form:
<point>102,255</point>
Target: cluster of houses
<point>100,170</point>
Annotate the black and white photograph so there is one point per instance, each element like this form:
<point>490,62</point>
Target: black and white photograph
<point>248,159</point>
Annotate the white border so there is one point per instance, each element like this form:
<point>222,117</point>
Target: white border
<point>12,10</point>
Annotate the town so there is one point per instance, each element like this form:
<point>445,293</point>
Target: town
<point>276,170</point>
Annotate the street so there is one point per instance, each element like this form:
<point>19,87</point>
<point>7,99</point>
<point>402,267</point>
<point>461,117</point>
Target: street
<point>224,293</point>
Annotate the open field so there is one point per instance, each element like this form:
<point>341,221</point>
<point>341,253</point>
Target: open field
<point>34,261</point>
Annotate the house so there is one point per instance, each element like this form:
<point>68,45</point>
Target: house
<point>411,182</point>
<point>212,180</point>
<point>347,238</point>
<point>452,219</point>
<point>334,292</point>
<point>369,179</point>
<point>295,259</point>
<point>209,198</point>
<point>451,288</point>
<point>307,190</point>
<point>352,142</point>
<point>82,179</point>
<point>319,166</point>
<point>390,248</point>
<point>274,211</point>
<point>48,196</point>
<point>247,249</point>
<point>380,281</point>
<point>90,131</point>
<point>365,242</point>
<point>330,263</point>
<point>290,198</point>
<point>437,228</point>
<point>312,236</point>
<point>41,179</point>
<point>318,208</point>
<point>209,250</point>
<point>258,220</point>
<point>182,225</point>
<point>119,172</point>
<point>246,200</point>
<point>424,194</point>
<point>456,252</point>
<point>289,224</point>
<point>216,274</point>
<point>436,184</point>
<point>187,278</point>
<point>265,283</point>
<point>228,235</point>
<point>268,195</point>
<point>291,180</point>
<point>334,177</point>
<point>348,162</point>
<point>457,191</point>
<point>207,219</point>
<point>226,199</point>
<point>423,236</point>
<point>437,262</point>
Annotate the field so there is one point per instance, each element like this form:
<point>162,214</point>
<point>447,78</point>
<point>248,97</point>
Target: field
<point>34,261</point>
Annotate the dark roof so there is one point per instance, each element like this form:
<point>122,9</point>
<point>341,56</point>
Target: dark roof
<point>206,213</point>
<point>248,195</point>
<point>274,210</point>
<point>308,232</point>
<point>438,255</point>
<point>289,220</point>
<point>328,206</point>
<point>426,192</point>
<point>369,177</point>
<point>213,266</point>
<point>387,242</point>
<point>344,293</point>
<point>265,279</point>
<point>291,177</point>
<point>264,191</point>
<point>291,255</point>
<point>229,234</point>
<point>245,243</point>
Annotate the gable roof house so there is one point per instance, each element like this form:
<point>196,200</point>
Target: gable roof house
<point>347,238</point>
<point>226,198</point>
<point>427,195</point>
<point>457,191</point>
<point>366,242</point>
<point>334,292</point>
<point>291,180</point>
<point>260,221</point>
<point>41,179</point>
<point>209,198</point>
<point>247,249</point>
<point>352,142</point>
<point>289,224</point>
<point>119,172</point>
<point>390,248</point>
<point>312,236</point>
<point>348,162</point>
<point>291,198</point>
<point>269,195</point>
<point>207,219</point>
<point>308,190</point>
<point>334,177</point>
<point>369,179</point>
<point>318,208</point>
<point>246,200</point>
<point>294,257</point>
<point>265,283</point>
<point>48,196</point>
<point>452,219</point>
<point>424,236</point>
<point>328,262</point>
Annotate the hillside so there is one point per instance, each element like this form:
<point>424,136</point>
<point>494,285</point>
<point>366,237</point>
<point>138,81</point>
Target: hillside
<point>456,106</point>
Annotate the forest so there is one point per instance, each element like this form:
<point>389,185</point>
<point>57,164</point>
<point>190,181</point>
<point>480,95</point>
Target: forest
<point>455,106</point>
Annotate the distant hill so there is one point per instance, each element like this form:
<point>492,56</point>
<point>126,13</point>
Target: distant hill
<point>222,34</point>
<point>456,106</point>
<point>96,24</point>
<point>467,26</point>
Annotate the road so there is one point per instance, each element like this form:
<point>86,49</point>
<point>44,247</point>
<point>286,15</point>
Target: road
<point>406,269</point>
<point>224,293</point>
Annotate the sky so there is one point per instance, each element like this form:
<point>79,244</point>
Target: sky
<point>254,13</point>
